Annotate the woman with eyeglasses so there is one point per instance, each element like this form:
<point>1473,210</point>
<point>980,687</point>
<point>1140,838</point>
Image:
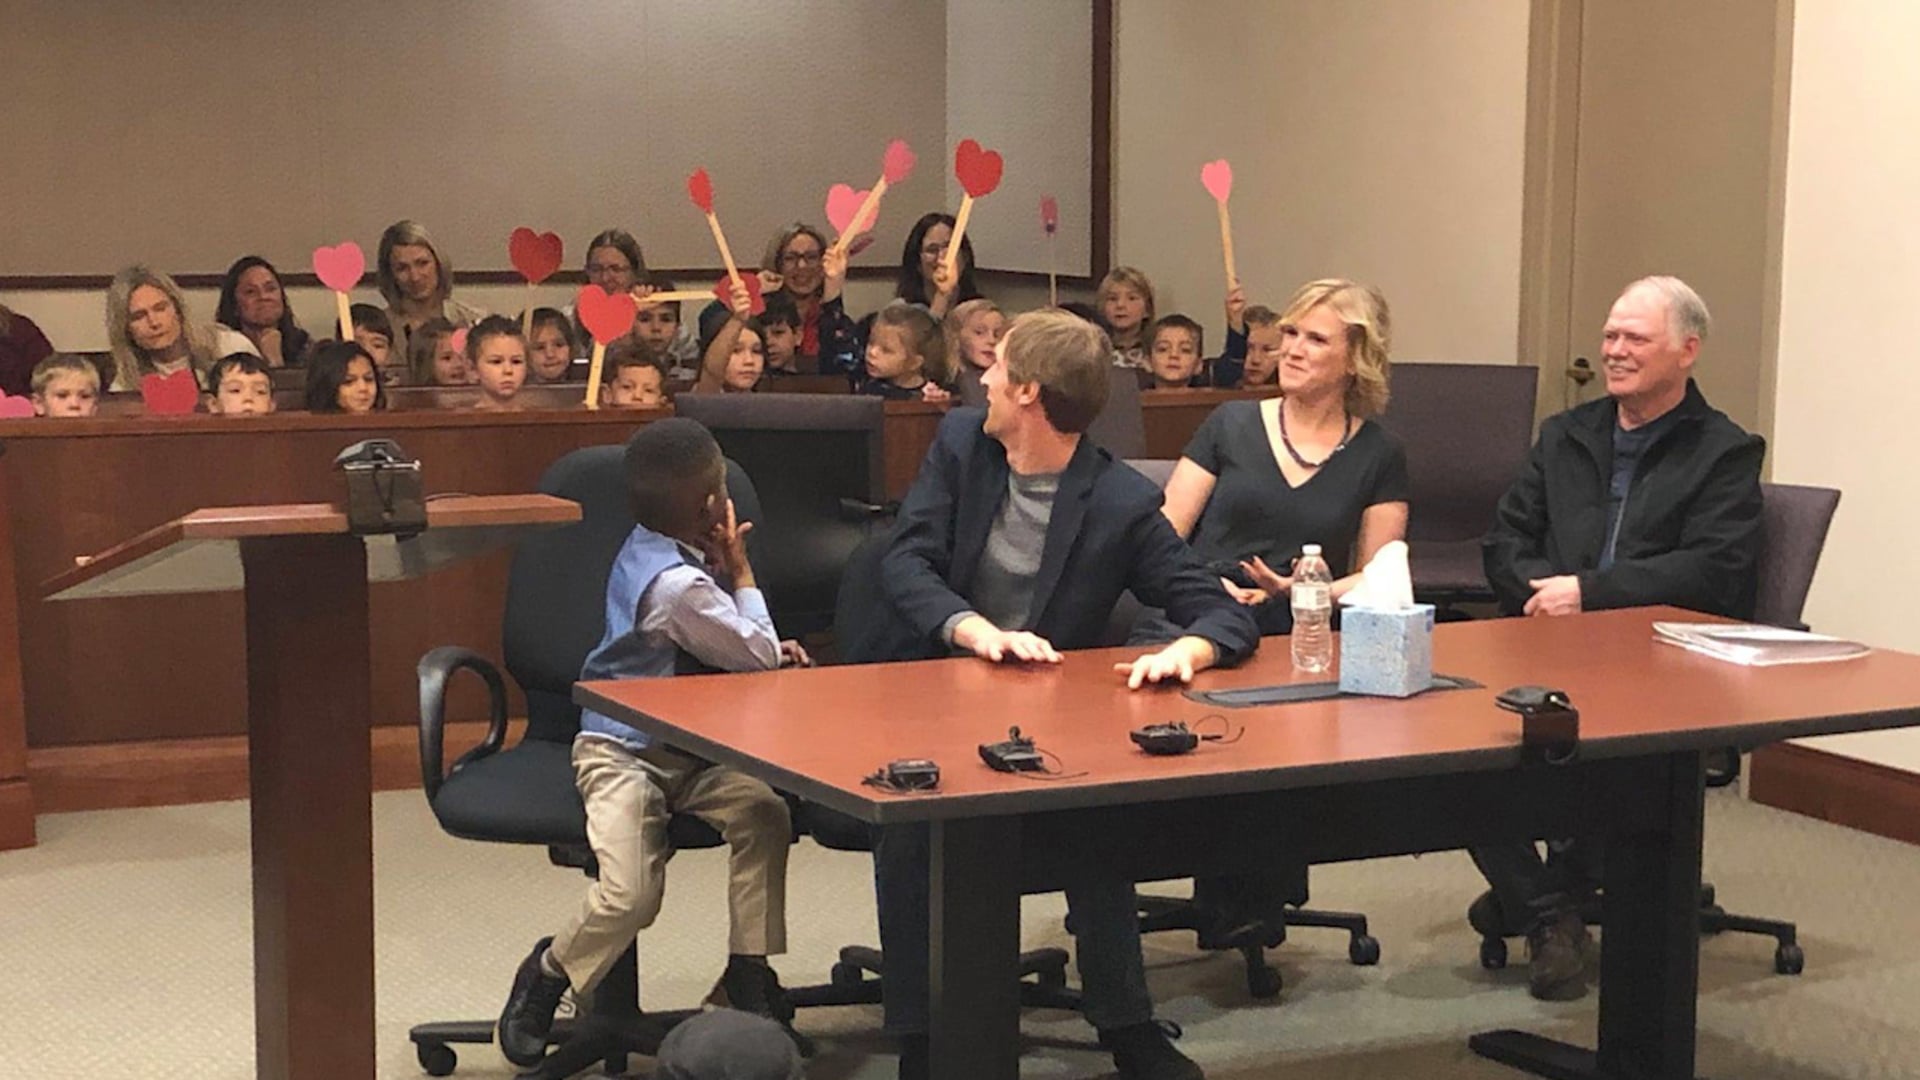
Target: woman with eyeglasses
<point>920,281</point>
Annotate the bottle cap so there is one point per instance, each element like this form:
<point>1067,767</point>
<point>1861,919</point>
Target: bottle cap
<point>1309,549</point>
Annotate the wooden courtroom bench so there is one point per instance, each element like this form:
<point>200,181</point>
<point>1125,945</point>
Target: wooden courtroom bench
<point>140,701</point>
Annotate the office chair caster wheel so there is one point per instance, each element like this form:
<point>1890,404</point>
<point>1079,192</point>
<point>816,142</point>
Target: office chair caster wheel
<point>1263,982</point>
<point>1364,950</point>
<point>846,976</point>
<point>438,1059</point>
<point>1788,959</point>
<point>1493,953</point>
<point>1708,913</point>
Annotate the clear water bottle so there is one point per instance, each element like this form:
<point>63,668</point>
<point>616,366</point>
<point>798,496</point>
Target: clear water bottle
<point>1312,595</point>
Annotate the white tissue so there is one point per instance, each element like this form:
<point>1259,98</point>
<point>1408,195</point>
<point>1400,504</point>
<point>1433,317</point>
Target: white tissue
<point>1386,583</point>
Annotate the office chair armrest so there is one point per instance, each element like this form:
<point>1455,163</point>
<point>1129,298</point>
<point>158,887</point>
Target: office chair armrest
<point>436,670</point>
<point>857,510</point>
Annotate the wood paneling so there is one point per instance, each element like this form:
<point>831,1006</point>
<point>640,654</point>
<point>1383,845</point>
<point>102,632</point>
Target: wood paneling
<point>1846,791</point>
<point>16,814</point>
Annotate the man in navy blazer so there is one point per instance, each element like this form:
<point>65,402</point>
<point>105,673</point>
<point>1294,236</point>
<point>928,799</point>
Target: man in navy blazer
<point>1014,542</point>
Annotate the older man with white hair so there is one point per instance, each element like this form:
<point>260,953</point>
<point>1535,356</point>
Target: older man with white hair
<point>1646,496</point>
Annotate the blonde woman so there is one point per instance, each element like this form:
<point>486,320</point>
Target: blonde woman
<point>418,282</point>
<point>150,332</point>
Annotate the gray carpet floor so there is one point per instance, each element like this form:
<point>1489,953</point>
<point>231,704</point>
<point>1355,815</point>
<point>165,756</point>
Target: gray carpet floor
<point>126,939</point>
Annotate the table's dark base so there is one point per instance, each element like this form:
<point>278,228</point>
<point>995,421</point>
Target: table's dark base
<point>1538,1055</point>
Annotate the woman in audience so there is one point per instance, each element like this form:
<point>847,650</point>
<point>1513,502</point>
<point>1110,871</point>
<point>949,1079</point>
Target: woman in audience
<point>973,329</point>
<point>149,331</point>
<point>417,282</point>
<point>434,360</point>
<point>796,255</point>
<point>1126,305</point>
<point>254,302</point>
<point>22,346</point>
<point>919,280</point>
<point>551,350</point>
<point>497,356</point>
<point>341,378</point>
<point>1306,466</point>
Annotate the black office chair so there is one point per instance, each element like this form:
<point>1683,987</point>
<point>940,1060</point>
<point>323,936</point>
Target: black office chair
<point>818,464</point>
<point>525,794</point>
<point>1191,913</point>
<point>856,977</point>
<point>1794,520</point>
<point>1121,428</point>
<point>1467,429</point>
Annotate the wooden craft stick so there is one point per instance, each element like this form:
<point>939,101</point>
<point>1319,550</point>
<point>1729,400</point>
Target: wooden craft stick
<point>526,316</point>
<point>674,296</point>
<point>1053,278</point>
<point>867,206</point>
<point>593,374</point>
<point>726,253</point>
<point>1226,244</point>
<point>346,315</point>
<point>959,233</point>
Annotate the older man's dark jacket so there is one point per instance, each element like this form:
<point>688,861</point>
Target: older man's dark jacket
<point>1690,532</point>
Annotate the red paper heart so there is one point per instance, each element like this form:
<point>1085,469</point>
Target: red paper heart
<point>700,190</point>
<point>170,395</point>
<point>1217,177</point>
<point>607,316</point>
<point>724,290</point>
<point>977,170</point>
<point>842,203</point>
<point>15,408</point>
<point>535,255</point>
<point>898,162</point>
<point>341,266</point>
<point>1049,214</point>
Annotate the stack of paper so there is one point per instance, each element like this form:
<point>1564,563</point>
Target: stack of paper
<point>1756,646</point>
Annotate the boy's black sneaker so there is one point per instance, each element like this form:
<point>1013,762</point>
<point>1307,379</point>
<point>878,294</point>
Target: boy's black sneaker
<point>1142,1052</point>
<point>528,1018</point>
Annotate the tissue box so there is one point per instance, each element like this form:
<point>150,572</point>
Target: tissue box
<point>1385,652</point>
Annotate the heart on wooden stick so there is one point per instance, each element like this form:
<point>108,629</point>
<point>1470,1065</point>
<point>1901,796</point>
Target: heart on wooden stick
<point>457,341</point>
<point>170,395</point>
<point>898,162</point>
<point>607,316</point>
<point>341,266</point>
<point>1049,214</point>
<point>843,203</point>
<point>700,190</point>
<point>1217,177</point>
<point>977,170</point>
<point>535,255</point>
<point>756,292</point>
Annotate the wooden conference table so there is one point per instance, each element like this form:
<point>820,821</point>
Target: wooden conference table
<point>1338,779</point>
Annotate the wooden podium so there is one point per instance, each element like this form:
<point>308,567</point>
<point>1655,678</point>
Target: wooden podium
<point>308,723</point>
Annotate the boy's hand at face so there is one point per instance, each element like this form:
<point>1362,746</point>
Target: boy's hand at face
<point>727,547</point>
<point>793,654</point>
<point>833,270</point>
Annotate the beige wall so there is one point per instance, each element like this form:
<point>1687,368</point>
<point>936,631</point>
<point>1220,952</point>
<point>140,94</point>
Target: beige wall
<point>1848,381</point>
<point>1377,141</point>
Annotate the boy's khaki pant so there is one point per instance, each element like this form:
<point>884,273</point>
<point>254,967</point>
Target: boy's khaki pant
<point>629,798</point>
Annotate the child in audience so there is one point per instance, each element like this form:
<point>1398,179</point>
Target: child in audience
<point>1174,359</point>
<point>341,378</point>
<point>782,322</point>
<point>639,377</point>
<point>1126,304</point>
<point>973,329</point>
<point>497,356</point>
<point>375,334</point>
<point>433,361</point>
<point>239,385</point>
<point>735,350</point>
<point>1265,342</point>
<point>65,385</point>
<point>681,596</point>
<point>906,355</point>
<point>658,326</point>
<point>551,350</point>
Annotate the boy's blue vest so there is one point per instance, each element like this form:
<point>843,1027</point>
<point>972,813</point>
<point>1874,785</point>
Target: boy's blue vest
<point>622,652</point>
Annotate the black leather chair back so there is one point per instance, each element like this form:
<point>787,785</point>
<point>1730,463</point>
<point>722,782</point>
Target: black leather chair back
<point>1467,429</point>
<point>557,587</point>
<point>1793,530</point>
<point>1121,428</point>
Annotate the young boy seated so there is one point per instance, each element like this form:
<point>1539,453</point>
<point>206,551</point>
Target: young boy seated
<point>639,377</point>
<point>240,386</point>
<point>1173,353</point>
<point>782,323</point>
<point>658,326</point>
<point>65,385</point>
<point>1265,342</point>
<point>681,597</point>
<point>374,331</point>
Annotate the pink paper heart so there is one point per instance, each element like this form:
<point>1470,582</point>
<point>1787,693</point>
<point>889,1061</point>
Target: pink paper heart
<point>535,255</point>
<point>700,190</point>
<point>1049,214</point>
<point>1217,176</point>
<point>458,339</point>
<point>842,203</point>
<point>898,162</point>
<point>170,395</point>
<point>607,316</point>
<point>341,266</point>
<point>977,170</point>
<point>723,289</point>
<point>15,408</point>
